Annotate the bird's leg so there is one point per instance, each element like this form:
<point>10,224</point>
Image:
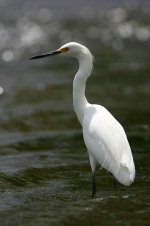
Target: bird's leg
<point>115,188</point>
<point>93,186</point>
<point>115,184</point>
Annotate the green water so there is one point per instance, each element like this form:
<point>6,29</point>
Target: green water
<point>45,176</point>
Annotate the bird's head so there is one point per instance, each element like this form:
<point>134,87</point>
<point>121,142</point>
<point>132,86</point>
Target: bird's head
<point>72,49</point>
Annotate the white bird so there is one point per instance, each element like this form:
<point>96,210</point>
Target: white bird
<point>104,137</point>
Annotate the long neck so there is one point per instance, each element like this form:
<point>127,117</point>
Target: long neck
<point>79,100</point>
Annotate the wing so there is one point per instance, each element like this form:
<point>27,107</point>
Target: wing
<point>105,138</point>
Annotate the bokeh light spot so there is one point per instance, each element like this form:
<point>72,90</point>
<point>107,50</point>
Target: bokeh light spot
<point>8,55</point>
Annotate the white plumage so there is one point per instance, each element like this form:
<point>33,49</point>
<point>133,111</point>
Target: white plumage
<point>107,144</point>
<point>103,135</point>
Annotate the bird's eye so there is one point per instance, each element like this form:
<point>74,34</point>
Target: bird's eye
<point>64,50</point>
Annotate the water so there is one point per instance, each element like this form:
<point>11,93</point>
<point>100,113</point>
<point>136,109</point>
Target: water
<point>45,177</point>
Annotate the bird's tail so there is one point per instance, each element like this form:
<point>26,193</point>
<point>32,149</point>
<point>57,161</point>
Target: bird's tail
<point>125,176</point>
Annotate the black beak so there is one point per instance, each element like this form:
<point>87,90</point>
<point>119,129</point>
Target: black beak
<point>45,55</point>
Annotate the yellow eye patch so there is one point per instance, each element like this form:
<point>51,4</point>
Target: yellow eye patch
<point>64,50</point>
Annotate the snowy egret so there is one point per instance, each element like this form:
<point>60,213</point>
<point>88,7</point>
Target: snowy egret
<point>104,137</point>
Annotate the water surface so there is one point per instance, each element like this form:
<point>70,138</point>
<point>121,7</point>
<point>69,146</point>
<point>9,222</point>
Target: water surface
<point>45,177</point>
